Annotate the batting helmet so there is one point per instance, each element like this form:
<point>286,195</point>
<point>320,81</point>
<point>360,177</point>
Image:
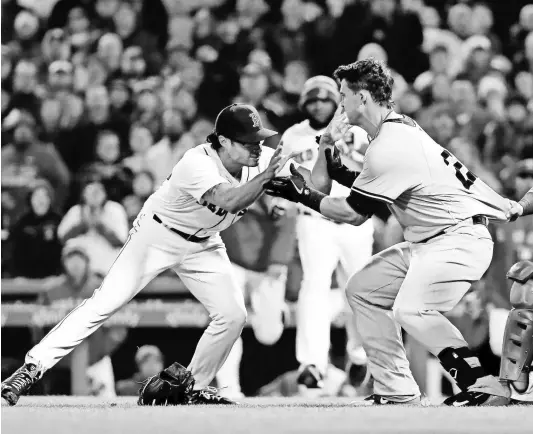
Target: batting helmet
<point>319,87</point>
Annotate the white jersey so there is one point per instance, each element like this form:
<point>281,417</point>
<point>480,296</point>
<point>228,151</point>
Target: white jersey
<point>301,138</point>
<point>178,201</point>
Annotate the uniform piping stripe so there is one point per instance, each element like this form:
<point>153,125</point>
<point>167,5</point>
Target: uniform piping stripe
<point>373,195</point>
<point>94,293</point>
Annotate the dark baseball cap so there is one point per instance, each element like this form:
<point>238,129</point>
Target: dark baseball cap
<point>241,122</point>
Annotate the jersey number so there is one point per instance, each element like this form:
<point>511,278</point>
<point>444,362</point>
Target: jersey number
<point>466,177</point>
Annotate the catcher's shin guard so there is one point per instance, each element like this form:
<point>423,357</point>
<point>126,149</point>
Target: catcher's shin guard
<point>463,366</point>
<point>517,351</point>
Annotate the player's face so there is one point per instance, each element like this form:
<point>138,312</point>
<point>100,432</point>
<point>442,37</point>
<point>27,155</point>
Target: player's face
<point>321,110</point>
<point>352,103</point>
<point>247,154</point>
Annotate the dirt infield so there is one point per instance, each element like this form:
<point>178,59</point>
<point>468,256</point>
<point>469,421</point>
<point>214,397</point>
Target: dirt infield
<point>81,415</point>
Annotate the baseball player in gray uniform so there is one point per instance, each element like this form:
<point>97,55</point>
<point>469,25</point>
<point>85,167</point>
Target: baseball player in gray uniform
<point>209,189</point>
<point>444,210</point>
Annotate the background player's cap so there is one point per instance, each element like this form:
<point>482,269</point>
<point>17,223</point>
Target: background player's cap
<point>320,87</point>
<point>241,122</point>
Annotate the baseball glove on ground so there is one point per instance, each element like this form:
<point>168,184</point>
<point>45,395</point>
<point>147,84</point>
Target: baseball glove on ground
<point>172,386</point>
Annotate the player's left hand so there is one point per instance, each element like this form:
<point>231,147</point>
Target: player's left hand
<point>289,187</point>
<point>515,211</point>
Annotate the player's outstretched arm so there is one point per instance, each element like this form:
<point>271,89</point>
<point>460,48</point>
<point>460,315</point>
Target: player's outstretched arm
<point>295,189</point>
<point>523,207</point>
<point>235,199</point>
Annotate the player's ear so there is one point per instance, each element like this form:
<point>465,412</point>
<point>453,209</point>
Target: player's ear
<point>224,141</point>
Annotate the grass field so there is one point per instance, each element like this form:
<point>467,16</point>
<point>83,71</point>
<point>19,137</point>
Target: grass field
<point>81,415</point>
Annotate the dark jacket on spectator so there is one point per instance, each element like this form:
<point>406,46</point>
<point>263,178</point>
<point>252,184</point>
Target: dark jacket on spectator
<point>36,250</point>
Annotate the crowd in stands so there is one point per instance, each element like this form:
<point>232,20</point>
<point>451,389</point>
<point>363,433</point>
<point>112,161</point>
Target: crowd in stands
<point>101,98</point>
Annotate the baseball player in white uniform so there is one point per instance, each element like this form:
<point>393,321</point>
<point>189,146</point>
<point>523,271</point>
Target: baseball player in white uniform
<point>444,211</point>
<point>178,227</point>
<point>325,245</point>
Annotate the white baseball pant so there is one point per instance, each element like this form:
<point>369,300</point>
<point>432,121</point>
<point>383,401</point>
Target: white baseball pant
<point>324,247</point>
<point>150,249</point>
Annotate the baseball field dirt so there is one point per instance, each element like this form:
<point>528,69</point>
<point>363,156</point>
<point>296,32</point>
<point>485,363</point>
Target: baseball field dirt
<point>83,415</point>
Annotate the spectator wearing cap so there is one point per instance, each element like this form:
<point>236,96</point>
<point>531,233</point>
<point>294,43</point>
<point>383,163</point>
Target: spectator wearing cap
<point>149,361</point>
<point>482,24</point>
<point>165,154</point>
<point>76,283</point>
<point>25,160</point>
<point>96,223</point>
<point>35,248</point>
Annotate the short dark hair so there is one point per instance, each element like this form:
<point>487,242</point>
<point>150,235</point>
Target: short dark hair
<point>213,139</point>
<point>371,75</point>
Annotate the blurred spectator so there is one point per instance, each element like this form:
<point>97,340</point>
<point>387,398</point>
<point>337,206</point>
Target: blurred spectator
<point>36,250</point>
<point>149,361</point>
<point>60,14</point>
<point>520,30</point>
<point>120,97</point>
<point>107,166</point>
<point>141,140</point>
<point>97,224</point>
<point>147,107</point>
<point>25,160</point>
<point>163,156</point>
<point>25,93</point>
<point>26,29</point>
<point>438,65</point>
<point>98,117</point>
<point>55,46</point>
<point>109,51</point>
<point>143,185</point>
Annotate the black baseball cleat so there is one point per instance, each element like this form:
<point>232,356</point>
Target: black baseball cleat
<point>19,383</point>
<point>208,395</point>
<point>310,381</point>
<point>476,399</point>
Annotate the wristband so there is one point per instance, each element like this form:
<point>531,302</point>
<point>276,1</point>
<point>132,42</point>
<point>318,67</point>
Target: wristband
<point>311,198</point>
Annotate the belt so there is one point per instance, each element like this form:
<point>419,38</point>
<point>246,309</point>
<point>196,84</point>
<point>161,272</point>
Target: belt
<point>476,220</point>
<point>191,238</point>
<point>310,214</point>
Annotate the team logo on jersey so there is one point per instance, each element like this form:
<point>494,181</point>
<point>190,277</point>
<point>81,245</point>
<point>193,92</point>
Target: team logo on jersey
<point>220,211</point>
<point>256,120</point>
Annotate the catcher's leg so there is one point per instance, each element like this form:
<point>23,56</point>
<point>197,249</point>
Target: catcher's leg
<point>517,351</point>
<point>208,274</point>
<point>371,293</point>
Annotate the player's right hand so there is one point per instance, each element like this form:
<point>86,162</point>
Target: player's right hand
<point>515,211</point>
<point>336,129</point>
